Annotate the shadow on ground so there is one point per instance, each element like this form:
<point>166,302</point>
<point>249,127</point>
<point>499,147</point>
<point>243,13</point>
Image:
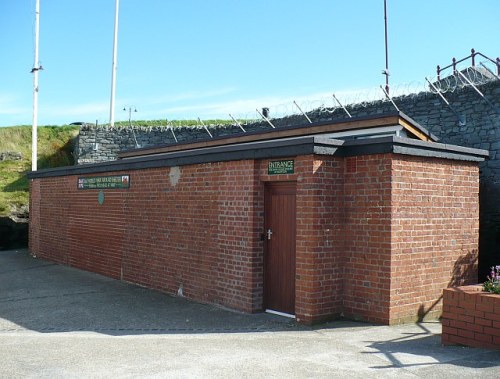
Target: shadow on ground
<point>423,348</point>
<point>37,295</point>
<point>42,296</point>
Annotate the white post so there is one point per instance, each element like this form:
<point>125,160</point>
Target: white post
<point>34,128</point>
<point>113,70</point>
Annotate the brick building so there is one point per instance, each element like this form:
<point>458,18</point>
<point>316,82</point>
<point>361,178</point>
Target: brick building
<point>368,218</point>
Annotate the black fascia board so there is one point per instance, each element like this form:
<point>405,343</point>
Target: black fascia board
<point>253,150</point>
<point>406,146</point>
<point>287,147</point>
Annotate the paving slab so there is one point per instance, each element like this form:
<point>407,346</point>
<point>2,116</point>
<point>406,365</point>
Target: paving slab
<point>60,322</point>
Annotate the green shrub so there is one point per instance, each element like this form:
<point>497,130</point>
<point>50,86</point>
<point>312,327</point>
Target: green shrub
<point>493,283</point>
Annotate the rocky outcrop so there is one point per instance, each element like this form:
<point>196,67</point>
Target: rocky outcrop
<point>10,156</point>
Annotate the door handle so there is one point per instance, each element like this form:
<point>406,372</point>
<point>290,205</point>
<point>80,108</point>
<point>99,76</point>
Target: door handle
<point>269,234</point>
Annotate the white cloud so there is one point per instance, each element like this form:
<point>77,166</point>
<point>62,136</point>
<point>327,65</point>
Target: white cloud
<point>215,103</point>
<point>186,96</point>
<point>66,113</point>
<point>10,105</point>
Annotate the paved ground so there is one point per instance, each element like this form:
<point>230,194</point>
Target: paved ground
<point>58,322</point>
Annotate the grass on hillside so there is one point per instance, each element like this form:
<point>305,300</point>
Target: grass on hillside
<point>55,147</point>
<point>177,123</point>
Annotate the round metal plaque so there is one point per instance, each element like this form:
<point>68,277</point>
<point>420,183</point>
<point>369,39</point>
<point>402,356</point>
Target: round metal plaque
<point>100,197</point>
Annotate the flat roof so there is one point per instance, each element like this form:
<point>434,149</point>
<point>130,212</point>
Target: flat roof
<point>277,148</point>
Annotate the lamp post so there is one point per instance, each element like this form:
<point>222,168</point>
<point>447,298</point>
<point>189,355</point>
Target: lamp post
<point>129,108</point>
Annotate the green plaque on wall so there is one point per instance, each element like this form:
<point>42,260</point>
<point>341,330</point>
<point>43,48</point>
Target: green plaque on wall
<point>280,167</point>
<point>104,182</point>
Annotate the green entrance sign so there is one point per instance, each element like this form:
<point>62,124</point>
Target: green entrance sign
<point>280,167</point>
<point>104,182</point>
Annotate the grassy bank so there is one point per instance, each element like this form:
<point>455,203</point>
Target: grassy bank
<point>55,147</point>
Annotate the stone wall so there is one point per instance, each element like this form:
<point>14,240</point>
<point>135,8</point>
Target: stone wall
<point>481,129</point>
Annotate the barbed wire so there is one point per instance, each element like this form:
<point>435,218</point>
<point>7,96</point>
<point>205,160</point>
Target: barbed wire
<point>366,97</point>
<point>326,104</point>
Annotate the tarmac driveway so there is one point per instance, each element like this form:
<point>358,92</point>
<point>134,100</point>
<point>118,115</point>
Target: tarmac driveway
<point>59,322</point>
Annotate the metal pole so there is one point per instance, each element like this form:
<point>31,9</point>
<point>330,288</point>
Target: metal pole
<point>113,68</point>
<point>36,68</point>
<point>487,69</point>
<point>344,108</point>
<point>386,73</point>
<point>208,131</point>
<point>479,92</point>
<point>237,123</point>
<point>265,118</point>
<point>461,119</point>
<point>301,111</point>
<point>390,98</point>
<point>172,130</point>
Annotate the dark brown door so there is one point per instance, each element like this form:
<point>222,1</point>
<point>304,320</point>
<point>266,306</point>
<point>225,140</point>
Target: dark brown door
<point>280,214</point>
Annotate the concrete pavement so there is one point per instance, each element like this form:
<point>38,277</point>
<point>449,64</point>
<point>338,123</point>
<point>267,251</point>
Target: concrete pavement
<point>59,322</point>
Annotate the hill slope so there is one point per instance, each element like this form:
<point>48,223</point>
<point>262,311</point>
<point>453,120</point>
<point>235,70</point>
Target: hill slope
<point>55,147</point>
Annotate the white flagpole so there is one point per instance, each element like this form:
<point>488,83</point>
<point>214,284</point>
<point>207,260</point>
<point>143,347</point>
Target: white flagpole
<point>113,70</point>
<point>36,68</point>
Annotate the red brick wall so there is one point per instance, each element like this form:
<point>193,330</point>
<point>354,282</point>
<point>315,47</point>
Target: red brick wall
<point>319,243</point>
<point>471,317</point>
<point>367,259</point>
<point>34,224</point>
<point>435,229</point>
<point>378,236</point>
<point>198,232</point>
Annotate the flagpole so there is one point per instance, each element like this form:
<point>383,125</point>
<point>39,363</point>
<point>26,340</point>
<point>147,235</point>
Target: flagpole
<point>113,69</point>
<point>386,72</point>
<point>35,69</point>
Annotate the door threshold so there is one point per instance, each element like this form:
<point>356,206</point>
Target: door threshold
<point>280,313</point>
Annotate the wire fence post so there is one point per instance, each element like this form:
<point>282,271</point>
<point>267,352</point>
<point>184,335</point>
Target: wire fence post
<point>301,111</point>
<point>237,123</point>
<point>339,103</point>
<point>265,118</point>
<point>208,131</point>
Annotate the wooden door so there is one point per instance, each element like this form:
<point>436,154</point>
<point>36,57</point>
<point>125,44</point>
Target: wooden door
<point>279,262</point>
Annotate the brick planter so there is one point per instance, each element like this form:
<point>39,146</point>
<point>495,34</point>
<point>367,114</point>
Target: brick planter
<point>471,317</point>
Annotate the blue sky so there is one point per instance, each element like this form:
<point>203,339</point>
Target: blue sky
<point>207,58</point>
